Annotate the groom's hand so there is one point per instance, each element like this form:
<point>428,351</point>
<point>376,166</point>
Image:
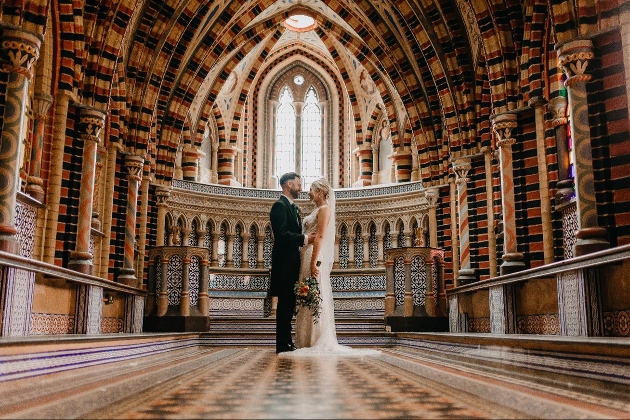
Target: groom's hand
<point>311,239</point>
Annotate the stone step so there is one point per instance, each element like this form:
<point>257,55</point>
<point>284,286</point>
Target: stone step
<point>254,325</point>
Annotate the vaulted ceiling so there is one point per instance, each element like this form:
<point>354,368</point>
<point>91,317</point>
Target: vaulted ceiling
<point>441,67</point>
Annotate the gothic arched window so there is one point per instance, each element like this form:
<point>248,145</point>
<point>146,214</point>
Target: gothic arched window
<point>311,139</point>
<point>285,134</point>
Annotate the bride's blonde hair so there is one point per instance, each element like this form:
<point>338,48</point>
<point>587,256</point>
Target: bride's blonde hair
<point>323,186</point>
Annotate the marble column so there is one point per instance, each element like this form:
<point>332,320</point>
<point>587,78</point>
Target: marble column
<point>375,168</point>
<point>134,165</point>
<point>432,196</point>
<point>214,161</point>
<point>465,274</point>
<point>91,122</point>
<point>574,56</point>
<point>492,237</point>
<point>113,148</point>
<point>41,104</point>
<point>512,259</point>
<point>21,50</point>
<point>380,246</point>
<point>454,229</point>
<point>545,202</point>
<point>162,193</point>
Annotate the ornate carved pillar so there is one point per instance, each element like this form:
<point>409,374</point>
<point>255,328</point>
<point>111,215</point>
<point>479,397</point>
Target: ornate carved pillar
<point>40,105</point>
<point>492,238</point>
<point>502,309</point>
<point>512,259</point>
<point>545,202</point>
<point>466,274</point>
<point>574,56</point>
<point>88,309</point>
<point>91,122</point>
<point>215,249</point>
<point>432,196</point>
<point>162,193</point>
<point>20,50</point>
<point>134,165</point>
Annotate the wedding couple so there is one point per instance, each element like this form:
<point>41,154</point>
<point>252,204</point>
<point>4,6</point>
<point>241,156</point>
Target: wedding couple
<point>302,250</point>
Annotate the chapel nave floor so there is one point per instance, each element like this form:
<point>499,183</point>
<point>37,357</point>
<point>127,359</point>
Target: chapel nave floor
<point>253,382</point>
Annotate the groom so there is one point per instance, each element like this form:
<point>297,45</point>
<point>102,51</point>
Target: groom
<point>285,257</point>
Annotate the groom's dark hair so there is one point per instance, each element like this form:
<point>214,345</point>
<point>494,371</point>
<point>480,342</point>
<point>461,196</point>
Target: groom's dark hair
<point>288,177</point>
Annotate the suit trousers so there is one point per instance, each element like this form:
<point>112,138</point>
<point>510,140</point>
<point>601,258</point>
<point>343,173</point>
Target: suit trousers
<point>284,315</point>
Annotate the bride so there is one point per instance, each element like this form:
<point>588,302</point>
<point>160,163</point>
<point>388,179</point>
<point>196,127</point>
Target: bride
<point>319,337</point>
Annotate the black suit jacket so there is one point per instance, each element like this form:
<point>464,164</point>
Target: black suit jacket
<point>285,255</point>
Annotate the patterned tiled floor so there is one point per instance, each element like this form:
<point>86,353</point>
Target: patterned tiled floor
<point>253,383</point>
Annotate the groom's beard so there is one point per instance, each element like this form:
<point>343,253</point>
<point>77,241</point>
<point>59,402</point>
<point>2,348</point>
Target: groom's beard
<point>294,193</point>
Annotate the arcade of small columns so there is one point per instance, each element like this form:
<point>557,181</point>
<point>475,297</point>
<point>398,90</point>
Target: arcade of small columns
<point>573,57</point>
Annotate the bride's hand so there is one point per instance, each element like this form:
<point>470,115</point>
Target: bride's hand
<point>315,269</point>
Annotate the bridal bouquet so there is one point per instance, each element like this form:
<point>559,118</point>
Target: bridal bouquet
<point>307,296</point>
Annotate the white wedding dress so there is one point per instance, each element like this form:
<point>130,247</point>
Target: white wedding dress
<point>320,338</point>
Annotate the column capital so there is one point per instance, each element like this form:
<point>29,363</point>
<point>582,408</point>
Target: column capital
<point>461,166</point>
<point>91,122</point>
<point>558,108</point>
<point>573,57</point>
<point>134,165</point>
<point>162,194</point>
<point>41,104</point>
<point>432,195</point>
<point>503,125</point>
<point>20,50</point>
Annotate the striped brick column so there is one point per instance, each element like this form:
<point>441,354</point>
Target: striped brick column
<point>21,50</point>
<point>566,191</point>
<point>465,274</point>
<point>574,56</point>
<point>492,239</point>
<point>134,165</point>
<point>190,163</point>
<point>512,259</point>
<point>364,153</point>
<point>401,160</point>
<point>91,122</point>
<point>226,154</point>
<point>40,104</point>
